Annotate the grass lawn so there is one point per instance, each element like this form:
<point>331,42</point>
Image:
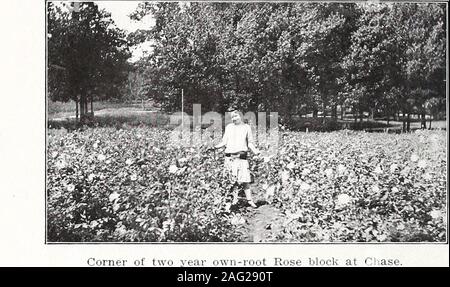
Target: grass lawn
<point>59,110</point>
<point>114,114</point>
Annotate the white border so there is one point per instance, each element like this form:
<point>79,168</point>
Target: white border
<point>22,170</point>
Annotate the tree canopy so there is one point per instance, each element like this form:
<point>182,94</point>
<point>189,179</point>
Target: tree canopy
<point>293,58</point>
<point>296,58</point>
<point>87,54</point>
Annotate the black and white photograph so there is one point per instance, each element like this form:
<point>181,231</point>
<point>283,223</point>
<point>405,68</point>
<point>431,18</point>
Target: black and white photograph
<point>246,122</point>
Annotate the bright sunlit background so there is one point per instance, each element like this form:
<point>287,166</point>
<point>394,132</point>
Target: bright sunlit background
<point>120,11</point>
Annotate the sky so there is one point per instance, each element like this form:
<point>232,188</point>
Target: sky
<point>119,13</point>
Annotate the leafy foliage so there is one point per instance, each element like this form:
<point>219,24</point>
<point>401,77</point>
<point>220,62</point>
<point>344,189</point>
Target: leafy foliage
<point>395,61</point>
<point>296,58</point>
<point>353,186</point>
<point>87,54</point>
<point>120,185</point>
<point>132,184</point>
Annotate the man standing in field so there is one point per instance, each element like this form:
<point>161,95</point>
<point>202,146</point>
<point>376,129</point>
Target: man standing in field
<point>238,139</point>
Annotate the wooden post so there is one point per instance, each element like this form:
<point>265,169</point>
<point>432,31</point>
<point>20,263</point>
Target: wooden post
<point>404,123</point>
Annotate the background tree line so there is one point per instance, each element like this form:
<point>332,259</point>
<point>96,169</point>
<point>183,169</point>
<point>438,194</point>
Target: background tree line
<point>86,56</point>
<point>298,58</point>
<point>385,59</point>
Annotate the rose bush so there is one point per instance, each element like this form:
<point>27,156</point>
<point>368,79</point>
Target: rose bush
<point>133,184</point>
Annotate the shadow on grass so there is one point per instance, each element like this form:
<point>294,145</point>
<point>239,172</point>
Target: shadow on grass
<point>162,120</point>
<point>330,124</point>
<point>117,121</point>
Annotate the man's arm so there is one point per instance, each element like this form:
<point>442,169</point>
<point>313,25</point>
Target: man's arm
<point>254,149</point>
<point>221,144</point>
<point>224,139</point>
<point>250,140</point>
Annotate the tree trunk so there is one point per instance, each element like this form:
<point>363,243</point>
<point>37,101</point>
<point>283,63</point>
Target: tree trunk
<point>355,115</point>
<point>92,106</point>
<point>81,107</point>
<point>315,113</point>
<point>431,118</point>
<point>423,122</point>
<point>76,109</point>
<point>371,114</point>
<point>342,112</point>
<point>86,109</point>
<point>334,112</point>
<point>408,124</point>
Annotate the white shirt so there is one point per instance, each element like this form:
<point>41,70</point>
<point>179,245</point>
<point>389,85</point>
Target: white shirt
<point>237,137</point>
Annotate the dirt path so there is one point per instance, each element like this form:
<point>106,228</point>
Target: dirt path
<point>262,224</point>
